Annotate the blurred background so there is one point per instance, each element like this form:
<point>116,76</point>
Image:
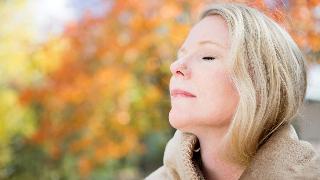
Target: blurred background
<point>84,84</point>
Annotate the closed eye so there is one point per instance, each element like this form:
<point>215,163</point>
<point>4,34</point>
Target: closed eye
<point>208,58</point>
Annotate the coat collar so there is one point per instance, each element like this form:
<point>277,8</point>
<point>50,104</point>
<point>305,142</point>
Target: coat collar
<point>283,155</point>
<point>180,157</point>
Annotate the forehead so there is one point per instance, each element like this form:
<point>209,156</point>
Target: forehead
<point>211,28</point>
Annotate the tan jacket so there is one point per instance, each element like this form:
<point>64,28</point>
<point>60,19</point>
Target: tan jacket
<point>283,156</point>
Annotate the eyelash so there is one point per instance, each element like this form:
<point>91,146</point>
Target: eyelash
<point>208,58</point>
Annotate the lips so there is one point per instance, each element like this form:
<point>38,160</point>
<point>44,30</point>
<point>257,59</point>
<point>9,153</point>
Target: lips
<point>180,92</point>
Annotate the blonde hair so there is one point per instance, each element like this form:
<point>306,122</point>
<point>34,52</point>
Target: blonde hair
<point>268,70</point>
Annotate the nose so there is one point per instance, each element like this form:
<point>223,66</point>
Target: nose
<point>180,68</point>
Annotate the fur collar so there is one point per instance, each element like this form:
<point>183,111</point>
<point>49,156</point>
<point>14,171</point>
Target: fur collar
<point>283,156</point>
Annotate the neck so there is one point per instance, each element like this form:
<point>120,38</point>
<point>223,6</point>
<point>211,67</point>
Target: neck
<point>213,165</point>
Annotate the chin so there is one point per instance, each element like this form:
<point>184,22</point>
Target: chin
<point>180,121</point>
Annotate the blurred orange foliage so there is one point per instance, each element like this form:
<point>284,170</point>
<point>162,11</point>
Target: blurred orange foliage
<point>110,88</point>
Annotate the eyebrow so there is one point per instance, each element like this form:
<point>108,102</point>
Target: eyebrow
<point>203,42</point>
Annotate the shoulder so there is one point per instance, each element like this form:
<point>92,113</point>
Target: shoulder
<point>284,155</point>
<point>158,174</point>
<point>168,170</point>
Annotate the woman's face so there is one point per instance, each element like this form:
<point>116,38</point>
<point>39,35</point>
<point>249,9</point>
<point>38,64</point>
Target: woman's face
<point>201,69</point>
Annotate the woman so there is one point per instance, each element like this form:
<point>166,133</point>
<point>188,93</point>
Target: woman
<point>238,82</point>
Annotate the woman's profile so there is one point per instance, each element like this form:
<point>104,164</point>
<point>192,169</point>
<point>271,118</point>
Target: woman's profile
<point>236,85</point>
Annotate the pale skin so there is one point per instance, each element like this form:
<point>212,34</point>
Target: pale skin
<point>202,69</point>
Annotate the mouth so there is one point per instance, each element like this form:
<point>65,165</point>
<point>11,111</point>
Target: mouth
<point>181,93</point>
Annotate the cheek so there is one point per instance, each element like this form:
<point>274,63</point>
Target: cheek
<point>219,97</point>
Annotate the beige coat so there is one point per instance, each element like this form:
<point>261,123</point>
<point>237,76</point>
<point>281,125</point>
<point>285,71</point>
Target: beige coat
<point>283,156</point>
